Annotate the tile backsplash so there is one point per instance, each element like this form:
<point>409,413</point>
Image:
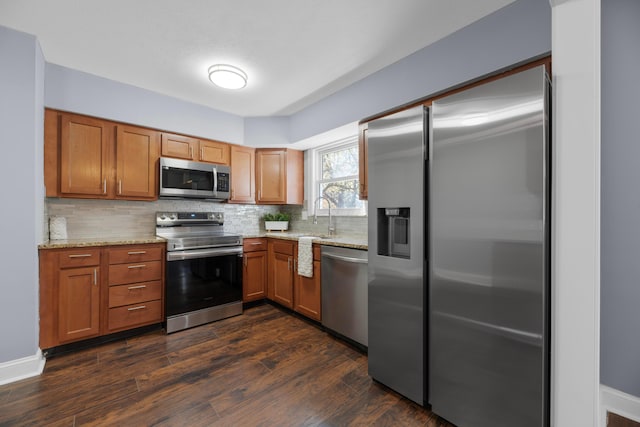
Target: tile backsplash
<point>90,218</point>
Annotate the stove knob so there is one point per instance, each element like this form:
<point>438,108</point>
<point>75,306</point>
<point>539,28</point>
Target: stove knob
<point>173,217</point>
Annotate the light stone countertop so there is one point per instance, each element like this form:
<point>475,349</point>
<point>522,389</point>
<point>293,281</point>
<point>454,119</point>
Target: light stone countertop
<point>341,241</point>
<point>100,241</point>
<point>352,242</point>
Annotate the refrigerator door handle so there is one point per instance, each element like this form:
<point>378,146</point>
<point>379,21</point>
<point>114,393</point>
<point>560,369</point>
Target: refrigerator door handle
<point>509,333</point>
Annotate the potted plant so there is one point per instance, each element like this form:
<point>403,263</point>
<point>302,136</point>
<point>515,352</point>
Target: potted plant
<point>278,221</point>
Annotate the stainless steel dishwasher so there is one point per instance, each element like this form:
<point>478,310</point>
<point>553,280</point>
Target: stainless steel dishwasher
<point>344,292</point>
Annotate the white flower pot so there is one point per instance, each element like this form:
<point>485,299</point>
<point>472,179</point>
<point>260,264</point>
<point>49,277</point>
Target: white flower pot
<point>276,225</point>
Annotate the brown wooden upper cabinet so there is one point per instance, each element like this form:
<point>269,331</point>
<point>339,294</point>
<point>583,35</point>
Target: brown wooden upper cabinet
<point>214,152</point>
<point>136,162</point>
<point>92,158</point>
<point>85,156</point>
<point>179,146</point>
<point>363,154</point>
<point>199,150</point>
<point>243,174</point>
<point>279,176</point>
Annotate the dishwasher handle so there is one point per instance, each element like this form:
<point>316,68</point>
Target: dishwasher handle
<point>346,258</point>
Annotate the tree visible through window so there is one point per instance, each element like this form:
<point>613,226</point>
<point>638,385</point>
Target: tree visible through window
<point>337,178</point>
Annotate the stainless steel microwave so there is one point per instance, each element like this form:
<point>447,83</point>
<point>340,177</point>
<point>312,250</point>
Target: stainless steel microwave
<point>186,179</point>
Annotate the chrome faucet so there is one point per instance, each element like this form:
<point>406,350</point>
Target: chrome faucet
<point>332,229</point>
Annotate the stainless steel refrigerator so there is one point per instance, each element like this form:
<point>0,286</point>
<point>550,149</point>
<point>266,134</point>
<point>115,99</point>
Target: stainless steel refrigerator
<point>397,248</point>
<point>471,325</point>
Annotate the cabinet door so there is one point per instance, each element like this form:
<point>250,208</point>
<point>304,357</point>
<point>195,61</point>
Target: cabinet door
<point>270,176</point>
<point>363,154</point>
<point>307,294</point>
<point>254,279</point>
<point>78,304</point>
<point>179,146</point>
<point>283,279</point>
<point>214,152</point>
<point>85,156</point>
<point>137,155</point>
<point>243,174</point>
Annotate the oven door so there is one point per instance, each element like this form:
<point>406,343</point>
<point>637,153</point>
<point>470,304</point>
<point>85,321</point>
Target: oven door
<point>203,278</point>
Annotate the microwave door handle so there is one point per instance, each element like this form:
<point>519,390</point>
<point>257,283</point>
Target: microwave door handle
<point>215,181</point>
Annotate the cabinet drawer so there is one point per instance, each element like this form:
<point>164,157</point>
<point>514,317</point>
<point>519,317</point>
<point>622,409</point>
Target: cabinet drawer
<point>134,293</point>
<point>135,254</point>
<point>147,271</point>
<point>253,245</point>
<point>131,316</point>
<point>79,258</point>
<point>283,247</point>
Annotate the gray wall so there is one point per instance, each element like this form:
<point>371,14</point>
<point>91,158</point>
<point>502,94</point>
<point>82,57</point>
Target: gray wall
<point>21,104</point>
<point>510,35</point>
<point>73,90</point>
<point>620,198</point>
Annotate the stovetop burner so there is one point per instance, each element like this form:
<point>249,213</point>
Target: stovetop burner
<point>194,230</point>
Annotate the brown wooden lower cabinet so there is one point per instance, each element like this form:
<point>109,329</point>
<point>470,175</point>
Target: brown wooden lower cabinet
<point>307,291</point>
<point>254,276</point>
<point>134,293</point>
<point>135,282</point>
<point>89,292</point>
<point>78,303</point>
<point>281,265</point>
<point>286,286</point>
<point>131,316</point>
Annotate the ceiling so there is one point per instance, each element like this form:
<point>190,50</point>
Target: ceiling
<point>295,52</point>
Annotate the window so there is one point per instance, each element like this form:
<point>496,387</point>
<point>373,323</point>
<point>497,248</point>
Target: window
<point>336,179</point>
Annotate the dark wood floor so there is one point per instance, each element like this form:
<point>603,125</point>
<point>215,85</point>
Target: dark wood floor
<point>264,368</point>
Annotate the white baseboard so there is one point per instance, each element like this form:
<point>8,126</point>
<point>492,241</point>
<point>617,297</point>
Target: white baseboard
<point>19,369</point>
<point>618,402</point>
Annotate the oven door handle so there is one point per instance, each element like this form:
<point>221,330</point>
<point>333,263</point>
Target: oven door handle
<point>203,253</point>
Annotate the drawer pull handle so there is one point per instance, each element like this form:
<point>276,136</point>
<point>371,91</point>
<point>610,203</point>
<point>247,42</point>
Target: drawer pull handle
<point>80,255</point>
<point>95,276</point>
<point>141,307</point>
<point>137,287</point>
<point>137,252</point>
<point>137,266</point>
<point>257,243</point>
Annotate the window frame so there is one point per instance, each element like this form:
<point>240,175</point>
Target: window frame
<point>316,178</point>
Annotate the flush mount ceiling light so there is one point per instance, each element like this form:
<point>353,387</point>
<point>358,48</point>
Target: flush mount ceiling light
<point>227,76</point>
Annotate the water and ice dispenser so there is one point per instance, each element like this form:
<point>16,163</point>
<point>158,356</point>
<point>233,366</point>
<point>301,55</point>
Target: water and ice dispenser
<point>394,231</point>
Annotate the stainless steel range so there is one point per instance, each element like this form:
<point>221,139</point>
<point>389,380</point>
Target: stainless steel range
<point>203,275</point>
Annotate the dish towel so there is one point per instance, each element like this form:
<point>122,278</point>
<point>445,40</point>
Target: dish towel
<point>305,256</point>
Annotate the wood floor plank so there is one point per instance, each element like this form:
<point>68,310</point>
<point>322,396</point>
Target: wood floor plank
<point>4,395</point>
<point>63,402</point>
<point>297,364</point>
<point>308,399</point>
<point>263,368</point>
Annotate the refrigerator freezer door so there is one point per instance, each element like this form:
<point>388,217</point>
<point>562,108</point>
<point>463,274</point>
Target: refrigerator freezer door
<point>396,252</point>
<point>489,255</point>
